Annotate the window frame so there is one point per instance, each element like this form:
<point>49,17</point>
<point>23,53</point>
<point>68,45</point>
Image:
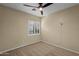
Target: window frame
<point>34,21</point>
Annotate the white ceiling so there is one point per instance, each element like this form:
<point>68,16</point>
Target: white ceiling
<point>48,10</point>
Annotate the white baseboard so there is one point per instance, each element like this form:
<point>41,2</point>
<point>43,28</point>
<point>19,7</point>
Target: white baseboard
<point>62,47</point>
<point>1,52</point>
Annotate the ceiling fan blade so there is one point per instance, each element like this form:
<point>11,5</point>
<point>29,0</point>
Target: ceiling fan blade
<point>40,4</point>
<point>33,9</point>
<point>46,5</point>
<point>41,12</point>
<point>30,6</point>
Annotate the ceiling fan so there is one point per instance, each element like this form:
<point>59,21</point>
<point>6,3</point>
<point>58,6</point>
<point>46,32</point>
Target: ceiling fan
<point>40,6</point>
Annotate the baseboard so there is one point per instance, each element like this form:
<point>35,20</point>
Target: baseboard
<point>1,52</point>
<point>62,47</point>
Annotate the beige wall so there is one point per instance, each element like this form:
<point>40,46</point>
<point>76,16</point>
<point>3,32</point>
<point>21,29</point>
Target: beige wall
<point>67,35</point>
<point>13,29</point>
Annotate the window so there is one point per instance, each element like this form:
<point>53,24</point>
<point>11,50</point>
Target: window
<point>33,27</point>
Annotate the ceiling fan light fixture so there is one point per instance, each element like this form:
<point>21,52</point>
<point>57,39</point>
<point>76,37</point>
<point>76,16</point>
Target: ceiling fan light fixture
<point>41,9</point>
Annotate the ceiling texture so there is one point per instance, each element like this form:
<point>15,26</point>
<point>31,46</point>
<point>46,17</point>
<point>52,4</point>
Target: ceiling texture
<point>48,10</point>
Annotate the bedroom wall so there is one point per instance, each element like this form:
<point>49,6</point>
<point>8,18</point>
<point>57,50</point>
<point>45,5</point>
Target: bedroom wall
<point>13,29</point>
<point>62,28</point>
